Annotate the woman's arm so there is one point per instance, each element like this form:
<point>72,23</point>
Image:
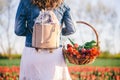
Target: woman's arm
<point>20,20</point>
<point>69,25</point>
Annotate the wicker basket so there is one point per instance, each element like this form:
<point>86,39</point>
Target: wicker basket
<point>81,61</point>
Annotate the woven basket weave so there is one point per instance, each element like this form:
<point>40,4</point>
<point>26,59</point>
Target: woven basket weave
<point>81,61</point>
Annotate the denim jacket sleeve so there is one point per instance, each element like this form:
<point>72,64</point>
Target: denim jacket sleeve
<point>69,25</point>
<point>20,20</point>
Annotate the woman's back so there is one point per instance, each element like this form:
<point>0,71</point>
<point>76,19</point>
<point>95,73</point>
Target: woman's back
<point>28,12</point>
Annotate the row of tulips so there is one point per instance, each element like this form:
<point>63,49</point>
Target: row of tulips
<point>9,73</point>
<point>94,73</point>
<point>77,73</point>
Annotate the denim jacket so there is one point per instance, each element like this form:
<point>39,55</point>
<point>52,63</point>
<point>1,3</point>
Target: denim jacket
<point>27,13</point>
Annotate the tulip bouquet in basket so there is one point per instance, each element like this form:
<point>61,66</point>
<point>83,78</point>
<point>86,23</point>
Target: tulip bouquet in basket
<point>82,54</point>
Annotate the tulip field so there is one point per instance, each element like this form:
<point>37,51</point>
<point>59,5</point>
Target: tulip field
<point>77,73</point>
<point>9,73</point>
<point>101,69</point>
<point>94,73</point>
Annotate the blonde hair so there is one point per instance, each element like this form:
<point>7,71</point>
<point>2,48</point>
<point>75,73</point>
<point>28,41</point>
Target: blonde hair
<point>47,4</point>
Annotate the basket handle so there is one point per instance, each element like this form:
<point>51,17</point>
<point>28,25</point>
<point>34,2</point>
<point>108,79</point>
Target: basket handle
<point>97,39</point>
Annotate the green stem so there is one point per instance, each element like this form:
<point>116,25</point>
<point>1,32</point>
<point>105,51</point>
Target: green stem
<point>71,41</point>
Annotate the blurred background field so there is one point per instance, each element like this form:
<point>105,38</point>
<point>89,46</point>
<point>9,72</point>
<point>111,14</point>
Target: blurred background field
<point>101,69</point>
<point>104,60</point>
<point>98,62</point>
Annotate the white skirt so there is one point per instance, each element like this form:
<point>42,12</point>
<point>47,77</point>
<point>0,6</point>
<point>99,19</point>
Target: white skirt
<point>43,65</point>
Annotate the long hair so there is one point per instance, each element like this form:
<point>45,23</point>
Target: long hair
<point>47,4</point>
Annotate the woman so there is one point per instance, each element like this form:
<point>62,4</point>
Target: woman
<point>42,65</point>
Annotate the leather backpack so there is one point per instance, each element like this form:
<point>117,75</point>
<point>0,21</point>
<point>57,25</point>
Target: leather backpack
<point>46,31</point>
